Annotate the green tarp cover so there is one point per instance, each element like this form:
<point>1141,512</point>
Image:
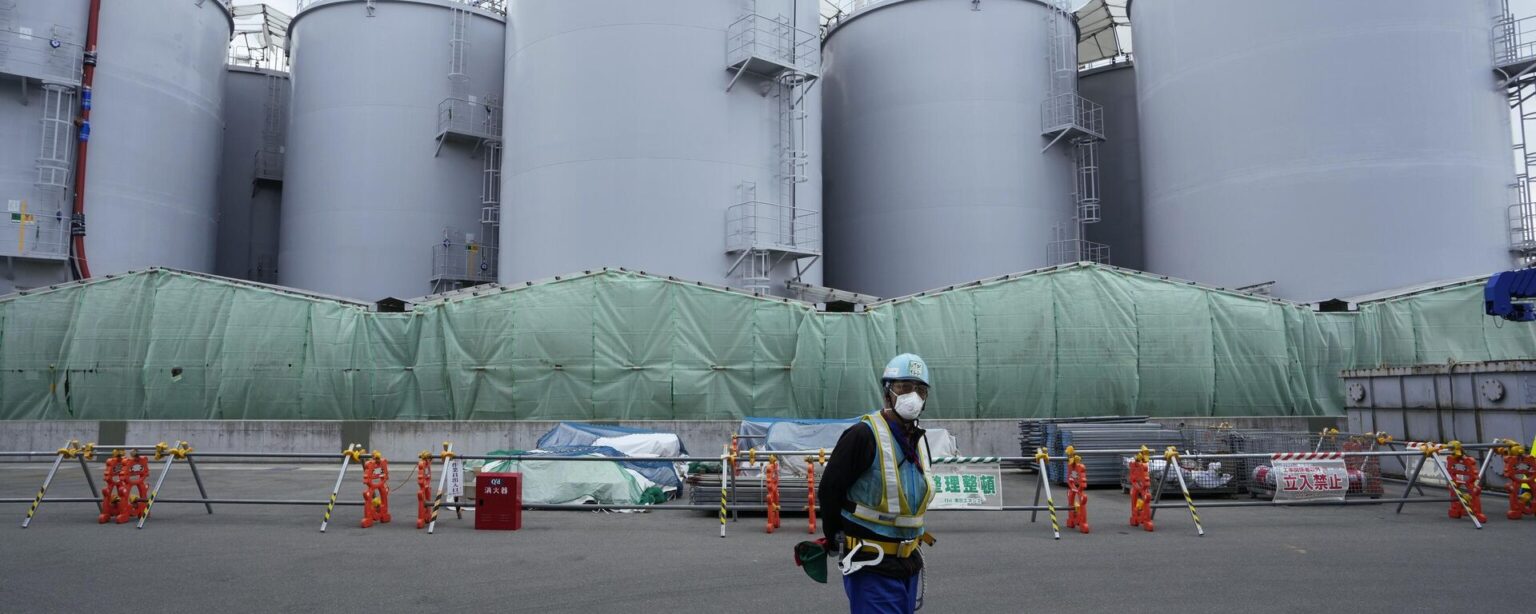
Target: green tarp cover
<point>1071,341</point>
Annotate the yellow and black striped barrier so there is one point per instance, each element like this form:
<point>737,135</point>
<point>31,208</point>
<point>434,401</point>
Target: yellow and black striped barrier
<point>353,452</point>
<point>1045,482</point>
<point>437,502</point>
<point>727,463</point>
<point>68,451</point>
<point>171,455</point>
<point>1171,457</point>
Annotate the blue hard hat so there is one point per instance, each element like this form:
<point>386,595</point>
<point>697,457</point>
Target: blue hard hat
<point>906,368</point>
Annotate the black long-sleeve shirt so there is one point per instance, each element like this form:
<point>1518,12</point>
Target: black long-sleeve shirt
<point>853,455</point>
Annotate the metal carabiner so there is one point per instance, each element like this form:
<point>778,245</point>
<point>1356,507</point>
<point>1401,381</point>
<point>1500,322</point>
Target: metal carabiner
<point>846,565</point>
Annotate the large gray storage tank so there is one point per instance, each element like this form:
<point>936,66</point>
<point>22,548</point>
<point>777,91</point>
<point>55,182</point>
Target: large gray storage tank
<point>1330,147</point>
<point>369,187</point>
<point>37,137</point>
<point>151,190</point>
<point>250,181</point>
<point>1114,87</point>
<point>626,149</point>
<point>935,173</point>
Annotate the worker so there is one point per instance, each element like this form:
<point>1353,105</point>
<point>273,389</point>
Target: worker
<point>874,493</point>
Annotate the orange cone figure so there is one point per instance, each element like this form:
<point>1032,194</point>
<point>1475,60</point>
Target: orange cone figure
<point>1463,471</point>
<point>1141,491</point>
<point>1520,470</point>
<point>135,471</point>
<point>114,493</point>
<point>810,494</point>
<point>424,489</point>
<point>773,494</point>
<point>1077,497</point>
<point>375,490</point>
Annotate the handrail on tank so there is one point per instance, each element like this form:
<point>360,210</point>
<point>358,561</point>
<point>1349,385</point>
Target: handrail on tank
<point>464,261</point>
<point>760,225</point>
<point>1069,110</point>
<point>269,164</point>
<point>1514,41</point>
<point>44,56</point>
<point>773,39</point>
<point>498,7</point>
<point>1522,226</point>
<point>849,7</point>
<point>480,118</point>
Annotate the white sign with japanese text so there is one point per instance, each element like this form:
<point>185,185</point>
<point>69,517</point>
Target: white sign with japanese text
<point>968,486</point>
<point>455,471</point>
<point>1310,479</point>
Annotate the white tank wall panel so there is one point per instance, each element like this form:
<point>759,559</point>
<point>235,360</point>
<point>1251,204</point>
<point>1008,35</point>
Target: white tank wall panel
<point>364,198</point>
<point>249,209</point>
<point>934,169</point>
<point>623,147</point>
<point>156,135</point>
<point>1331,147</point>
<point>1114,87</point>
<point>21,274</point>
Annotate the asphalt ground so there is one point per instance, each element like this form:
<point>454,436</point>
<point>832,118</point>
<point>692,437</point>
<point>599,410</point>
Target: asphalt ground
<point>251,558</point>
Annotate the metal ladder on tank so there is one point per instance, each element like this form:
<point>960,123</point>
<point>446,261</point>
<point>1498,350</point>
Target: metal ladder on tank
<point>7,24</point>
<point>1514,64</point>
<point>794,158</point>
<point>1061,54</point>
<point>763,236</point>
<point>56,152</point>
<point>483,130</point>
<point>269,159</point>
<point>458,52</point>
<point>756,263</point>
<point>490,204</point>
<point>1083,127</point>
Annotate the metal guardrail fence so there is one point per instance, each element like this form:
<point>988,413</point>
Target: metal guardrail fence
<point>1522,227</point>
<point>1068,111</point>
<point>32,234</point>
<point>775,40</point>
<point>474,118</point>
<point>1077,250</point>
<point>269,165</point>
<point>498,7</point>
<point>464,262</point>
<point>729,462</point>
<point>41,55</point>
<point>1514,41</point>
<point>844,9</point>
<point>766,226</point>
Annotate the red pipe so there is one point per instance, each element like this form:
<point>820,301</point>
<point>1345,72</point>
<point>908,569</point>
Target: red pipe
<point>87,78</point>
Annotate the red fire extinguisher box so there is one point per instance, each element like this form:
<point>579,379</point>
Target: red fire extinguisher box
<point>499,501</point>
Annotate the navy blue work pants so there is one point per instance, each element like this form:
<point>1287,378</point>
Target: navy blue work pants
<point>872,593</point>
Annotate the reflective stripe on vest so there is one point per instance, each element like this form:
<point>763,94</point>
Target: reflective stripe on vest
<point>893,509</point>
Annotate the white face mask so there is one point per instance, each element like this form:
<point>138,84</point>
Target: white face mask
<point>909,406</point>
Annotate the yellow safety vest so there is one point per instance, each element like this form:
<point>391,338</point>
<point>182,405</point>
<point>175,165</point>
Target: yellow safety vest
<point>891,507</point>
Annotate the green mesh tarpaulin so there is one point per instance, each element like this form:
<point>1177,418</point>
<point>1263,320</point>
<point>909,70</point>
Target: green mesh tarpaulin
<point>1070,341</point>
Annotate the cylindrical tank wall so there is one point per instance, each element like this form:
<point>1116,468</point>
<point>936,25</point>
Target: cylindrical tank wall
<point>934,167</point>
<point>151,191</point>
<point>367,192</point>
<point>1331,147</point>
<point>26,61</point>
<point>624,147</point>
<point>249,207</point>
<point>1114,87</point>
